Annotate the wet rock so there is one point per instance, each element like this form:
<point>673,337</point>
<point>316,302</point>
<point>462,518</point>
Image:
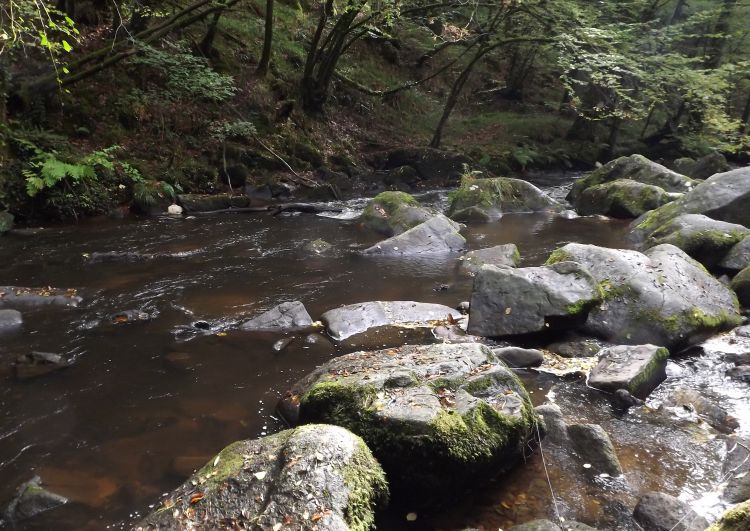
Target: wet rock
<point>576,347</point>
<point>6,222</point>
<point>657,511</point>
<point>506,301</point>
<point>10,320</point>
<point>129,316</point>
<point>202,325</point>
<point>738,358</point>
<point>317,246</point>
<point>37,364</point>
<point>703,406</point>
<point>118,257</point>
<point>625,400</point>
<point>463,307</point>
<point>741,286</point>
<point>555,427</point>
<point>738,257</point>
<point>438,235</point>
<point>741,372</point>
<point>193,203</point>
<point>500,255</point>
<point>448,333</point>
<point>622,198</point>
<point>392,213</point>
<point>661,297</point>
<point>637,369</point>
<point>705,239</point>
<point>30,500</point>
<point>735,519</point>
<point>13,295</point>
<point>286,317</point>
<point>281,344</point>
<point>355,319</point>
<point>743,331</point>
<point>594,447</point>
<point>432,414</point>
<point>315,473</point>
<point>401,178</point>
<point>537,525</point>
<point>737,471</point>
<point>517,357</point>
<point>496,196</point>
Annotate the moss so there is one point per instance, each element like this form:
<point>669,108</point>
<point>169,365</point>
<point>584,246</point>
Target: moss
<point>368,488</point>
<point>580,307</point>
<point>483,193</point>
<point>338,403</point>
<point>656,218</point>
<point>230,462</point>
<point>735,519</point>
<point>559,255</point>
<point>648,374</point>
<point>609,292</point>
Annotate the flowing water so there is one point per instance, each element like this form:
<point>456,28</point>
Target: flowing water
<point>146,402</point>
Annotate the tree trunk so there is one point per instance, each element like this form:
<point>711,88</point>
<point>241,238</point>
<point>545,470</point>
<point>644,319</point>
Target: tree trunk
<point>207,43</point>
<point>746,115</point>
<point>717,43</point>
<point>265,57</point>
<point>608,152</point>
<point>677,13</point>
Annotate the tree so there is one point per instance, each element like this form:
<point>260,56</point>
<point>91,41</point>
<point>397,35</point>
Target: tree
<point>265,57</point>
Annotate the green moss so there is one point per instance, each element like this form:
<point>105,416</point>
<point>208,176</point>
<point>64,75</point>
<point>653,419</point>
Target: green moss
<point>609,292</point>
<point>230,462</point>
<point>368,488</point>
<point>648,373</point>
<point>559,255</point>
<point>735,519</point>
<point>483,193</point>
<point>338,403</point>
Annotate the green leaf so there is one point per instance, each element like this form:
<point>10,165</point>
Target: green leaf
<point>67,47</point>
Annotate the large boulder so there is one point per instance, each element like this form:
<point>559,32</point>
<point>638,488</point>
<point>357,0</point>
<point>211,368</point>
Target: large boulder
<point>312,477</point>
<point>507,301</point>
<point>432,414</point>
<point>738,257</point>
<point>622,198</point>
<point>662,297</point>
<point>286,317</point>
<point>741,286</point>
<point>735,519</point>
<point>438,235</point>
<point>657,511</point>
<point>635,168</point>
<point>30,500</point>
<point>392,213</point>
<point>17,296</point>
<point>487,199</point>
<point>499,255</point>
<point>705,239</point>
<point>638,369</point>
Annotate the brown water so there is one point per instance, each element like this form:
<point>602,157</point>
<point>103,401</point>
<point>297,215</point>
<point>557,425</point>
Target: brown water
<point>147,402</point>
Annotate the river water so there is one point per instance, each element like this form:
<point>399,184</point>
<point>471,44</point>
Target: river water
<point>146,402</point>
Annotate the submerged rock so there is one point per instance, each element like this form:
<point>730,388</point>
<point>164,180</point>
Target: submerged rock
<point>662,297</point>
<point>30,500</point>
<point>594,447</point>
<point>10,320</point>
<point>13,295</point>
<point>37,364</point>
<point>637,369</point>
<point>100,257</point>
<point>622,198</point>
<point>286,317</point>
<point>438,235</point>
<point>735,519</point>
<point>657,511</point>
<point>741,286</point>
<point>317,246</point>
<point>499,255</point>
<point>391,213</point>
<point>506,301</point>
<point>738,257</point>
<point>517,357</point>
<point>432,415</point>
<point>314,476</point>
<point>707,409</point>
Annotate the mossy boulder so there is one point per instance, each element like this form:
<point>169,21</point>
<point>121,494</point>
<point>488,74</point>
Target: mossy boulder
<point>6,222</point>
<point>438,235</point>
<point>705,239</point>
<point>486,199</point>
<point>741,286</point>
<point>704,167</point>
<point>738,257</point>
<point>391,213</point>
<point>312,477</point>
<point>662,297</point>
<point>208,203</point>
<point>635,368</point>
<point>735,519</point>
<point>433,415</point>
<point>622,198</point>
<point>635,168</point>
<point>499,255</point>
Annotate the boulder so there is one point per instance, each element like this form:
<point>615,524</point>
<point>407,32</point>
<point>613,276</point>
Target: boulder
<point>662,297</point>
<point>286,317</point>
<point>683,165</point>
<point>741,286</point>
<point>490,198</point>
<point>317,246</point>
<point>391,213</point>
<point>30,500</point>
<point>735,519</point>
<point>10,320</point>
<point>594,447</point>
<point>506,301</point>
<point>314,476</point>
<point>657,511</point>
<point>438,235</point>
<point>556,429</point>
<point>705,407</point>
<point>635,168</point>
<point>622,198</point>
<point>736,470</point>
<point>207,203</point>
<point>738,257</point>
<point>499,255</point>
<point>705,239</point>
<point>6,222</point>
<point>14,295</point>
<point>517,357</point>
<point>704,167</point>
<point>432,414</point>
<point>36,364</point>
<point>637,369</point>
<point>576,347</point>
<point>434,165</point>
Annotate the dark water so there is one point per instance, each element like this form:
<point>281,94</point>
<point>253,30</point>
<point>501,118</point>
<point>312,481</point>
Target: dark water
<point>147,402</point>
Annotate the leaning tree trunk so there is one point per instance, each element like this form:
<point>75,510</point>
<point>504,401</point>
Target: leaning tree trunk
<point>265,57</point>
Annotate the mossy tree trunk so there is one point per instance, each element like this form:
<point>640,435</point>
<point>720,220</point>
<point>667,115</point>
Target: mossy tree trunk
<point>265,57</point>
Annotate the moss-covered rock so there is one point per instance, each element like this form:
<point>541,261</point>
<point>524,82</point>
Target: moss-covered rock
<point>499,255</point>
<point>637,369</point>
<point>735,519</point>
<point>315,476</point>
<point>392,213</point>
<point>622,198</point>
<point>738,257</point>
<point>741,286</point>
<point>432,415</point>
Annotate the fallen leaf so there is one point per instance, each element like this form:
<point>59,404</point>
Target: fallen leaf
<point>216,461</point>
<point>195,498</point>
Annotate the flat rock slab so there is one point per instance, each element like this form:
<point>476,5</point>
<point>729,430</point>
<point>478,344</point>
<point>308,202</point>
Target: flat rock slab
<point>636,368</point>
<point>661,297</point>
<point>13,295</point>
<point>499,255</point>
<point>438,235</point>
<point>657,511</point>
<point>312,477</point>
<point>432,414</point>
<point>738,257</point>
<point>506,301</point>
<point>286,317</point>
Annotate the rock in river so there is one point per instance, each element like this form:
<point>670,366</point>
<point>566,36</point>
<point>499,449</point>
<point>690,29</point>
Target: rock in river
<point>657,511</point>
<point>622,198</point>
<point>594,447</point>
<point>638,369</point>
<point>735,519</point>
<point>433,415</point>
<point>38,363</point>
<point>286,317</point>
<point>499,255</point>
<point>13,295</point>
<point>10,320</point>
<point>438,235</point>
<point>392,213</point>
<point>314,476</point>
<point>519,357</point>
<point>31,499</point>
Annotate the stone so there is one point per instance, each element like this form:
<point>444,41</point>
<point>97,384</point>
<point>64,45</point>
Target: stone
<point>129,316</point>
<point>496,196</point>
<point>324,472</point>
<point>99,257</point>
<point>622,198</point>
<point>432,414</point>
<point>174,210</point>
<point>537,525</point>
<point>30,500</point>
<point>438,235</point>
<point>14,295</point>
<point>555,427</point>
<point>10,320</point>
<point>392,213</point>
<point>736,470</point>
<point>661,297</point>
<point>36,364</point>
<point>705,239</point>
<point>635,168</point>
<point>703,406</point>
<point>6,222</point>
<point>317,246</point>
<point>575,346</point>
<point>657,511</point>
<point>637,369</point>
<point>741,286</point>
<point>623,399</point>
<point>517,357</point>
<point>286,317</point>
<point>735,519</point>
<point>738,257</point>
<point>193,203</point>
<point>708,165</point>
<point>499,255</point>
<point>594,447</point>
<point>743,331</point>
<point>741,373</point>
<point>507,301</point>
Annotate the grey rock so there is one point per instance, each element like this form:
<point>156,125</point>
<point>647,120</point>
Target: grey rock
<point>624,399</point>
<point>6,222</point>
<point>741,286</point>
<point>10,320</point>
<point>555,427</point>
<point>500,255</point>
<point>706,166</point>
<point>738,358</point>
<point>14,295</point>
<point>517,357</point>
<point>741,372</point>
<point>738,257</point>
<point>743,331</point>
<point>576,347</point>
<point>704,406</point>
<point>286,317</point>
<point>30,500</point>
<point>438,235</point>
<point>317,246</point>
<point>622,198</point>
<point>314,470</point>
<point>36,364</point>
<point>506,301</point>
<point>593,446</point>
<point>737,471</point>
<point>392,213</point>
<point>661,297</point>
<point>637,369</point>
<point>657,511</point>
